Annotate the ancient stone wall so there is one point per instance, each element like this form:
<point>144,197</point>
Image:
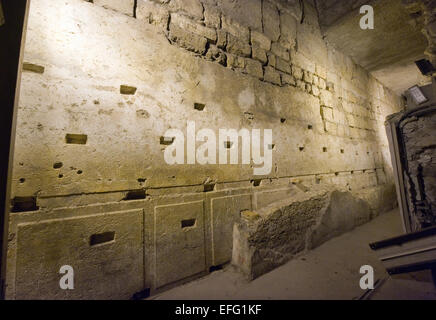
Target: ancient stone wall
<point>423,14</point>
<point>104,80</point>
<point>420,168</point>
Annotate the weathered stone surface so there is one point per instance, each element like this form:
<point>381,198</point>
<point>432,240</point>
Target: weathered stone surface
<point>215,54</point>
<point>260,40</point>
<point>419,136</point>
<point>271,75</point>
<point>263,244</point>
<point>187,40</point>
<point>271,236</point>
<point>235,28</point>
<point>248,13</point>
<point>237,46</point>
<point>254,68</point>
<point>280,51</point>
<point>283,65</point>
<point>221,39</point>
<point>259,54</point>
<point>288,79</point>
<point>192,8</point>
<point>297,72</point>
<point>190,26</point>
<point>288,27</point>
<point>234,61</point>
<point>344,213</point>
<point>226,212</point>
<point>152,13</point>
<point>180,251</point>
<point>212,16</point>
<point>123,6</point>
<point>271,20</point>
<point>116,266</point>
<point>308,76</point>
<point>272,59</point>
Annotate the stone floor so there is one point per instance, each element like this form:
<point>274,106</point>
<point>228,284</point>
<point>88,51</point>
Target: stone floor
<point>331,271</point>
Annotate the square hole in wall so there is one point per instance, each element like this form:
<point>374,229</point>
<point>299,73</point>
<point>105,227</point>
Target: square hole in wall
<point>24,204</point>
<point>256,182</point>
<point>199,106</point>
<point>102,238</point>
<point>127,90</point>
<point>72,138</point>
<point>209,187</point>
<point>189,223</point>
<point>33,68</point>
<point>135,195</point>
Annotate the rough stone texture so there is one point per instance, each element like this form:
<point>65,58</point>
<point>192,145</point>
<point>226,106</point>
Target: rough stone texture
<point>120,167</point>
<point>259,54</point>
<point>271,20</point>
<point>260,40</point>
<point>125,6</point>
<point>248,13</point>
<point>189,26</point>
<point>238,47</point>
<point>192,8</point>
<point>420,173</point>
<point>188,40</point>
<point>254,68</point>
<point>272,76</point>
<point>180,250</point>
<point>112,270</point>
<point>152,13</point>
<point>288,27</point>
<point>269,237</point>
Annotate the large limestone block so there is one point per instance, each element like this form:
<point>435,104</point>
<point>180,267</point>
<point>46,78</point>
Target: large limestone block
<point>104,250</point>
<point>226,211</point>
<point>271,20</point>
<point>288,25</point>
<point>247,12</point>
<point>179,242</point>
<point>270,236</point>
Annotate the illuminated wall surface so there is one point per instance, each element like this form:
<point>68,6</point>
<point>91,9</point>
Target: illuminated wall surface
<point>100,87</point>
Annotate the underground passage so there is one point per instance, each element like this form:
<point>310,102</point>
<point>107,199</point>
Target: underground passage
<point>219,149</point>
